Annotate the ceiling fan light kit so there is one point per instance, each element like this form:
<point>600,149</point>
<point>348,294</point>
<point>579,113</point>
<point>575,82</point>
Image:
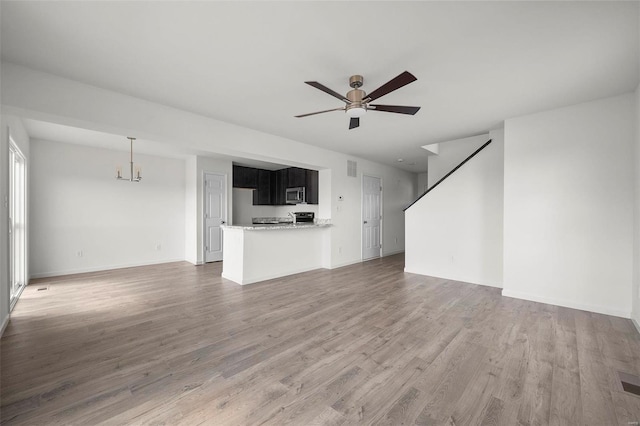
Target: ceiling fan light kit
<point>356,111</point>
<point>357,101</point>
<point>355,107</point>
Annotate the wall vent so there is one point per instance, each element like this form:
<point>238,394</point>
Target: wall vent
<point>352,168</point>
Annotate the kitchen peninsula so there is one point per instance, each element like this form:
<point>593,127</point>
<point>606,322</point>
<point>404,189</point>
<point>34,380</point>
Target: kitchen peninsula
<point>259,252</point>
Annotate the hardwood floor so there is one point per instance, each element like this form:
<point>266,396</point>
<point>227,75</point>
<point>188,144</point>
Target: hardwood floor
<point>176,344</point>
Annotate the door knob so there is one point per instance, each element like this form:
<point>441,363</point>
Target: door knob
<point>222,222</point>
<point>365,221</point>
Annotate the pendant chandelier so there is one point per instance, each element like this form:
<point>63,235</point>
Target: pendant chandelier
<point>132,178</point>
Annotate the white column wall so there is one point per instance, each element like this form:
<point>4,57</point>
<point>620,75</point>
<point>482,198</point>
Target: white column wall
<point>191,210</point>
<point>568,206</point>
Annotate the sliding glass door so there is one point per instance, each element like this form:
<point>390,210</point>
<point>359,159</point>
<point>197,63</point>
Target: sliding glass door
<point>17,222</point>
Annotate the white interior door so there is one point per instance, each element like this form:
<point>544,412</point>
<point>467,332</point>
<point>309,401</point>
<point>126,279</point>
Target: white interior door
<point>215,214</point>
<point>371,217</point>
<point>17,222</point>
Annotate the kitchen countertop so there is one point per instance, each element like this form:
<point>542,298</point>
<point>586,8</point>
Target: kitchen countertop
<point>276,226</point>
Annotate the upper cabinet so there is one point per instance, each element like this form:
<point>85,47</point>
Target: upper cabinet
<point>312,186</point>
<point>279,179</point>
<point>262,196</point>
<point>245,177</point>
<point>271,186</point>
<point>296,177</point>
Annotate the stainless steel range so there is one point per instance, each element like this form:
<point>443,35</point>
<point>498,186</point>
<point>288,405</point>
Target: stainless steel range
<point>303,217</point>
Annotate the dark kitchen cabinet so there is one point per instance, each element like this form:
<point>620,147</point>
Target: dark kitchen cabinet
<point>279,181</point>
<point>245,177</point>
<point>262,195</point>
<point>312,186</point>
<point>296,177</point>
<point>271,186</point>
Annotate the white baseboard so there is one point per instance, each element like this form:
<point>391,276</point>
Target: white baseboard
<point>343,264</point>
<point>466,280</point>
<point>262,278</point>
<point>100,268</point>
<point>354,261</point>
<point>567,303</point>
<point>635,323</point>
<point>230,278</point>
<point>193,261</point>
<point>5,323</point>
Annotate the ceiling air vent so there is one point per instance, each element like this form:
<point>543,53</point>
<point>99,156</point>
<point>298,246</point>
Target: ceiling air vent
<point>352,168</point>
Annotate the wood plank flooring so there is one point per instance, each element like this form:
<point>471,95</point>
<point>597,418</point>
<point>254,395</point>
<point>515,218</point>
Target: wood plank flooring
<point>363,344</point>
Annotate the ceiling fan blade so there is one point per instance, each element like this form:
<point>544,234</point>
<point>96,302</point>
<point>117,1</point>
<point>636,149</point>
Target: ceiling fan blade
<point>393,84</point>
<point>325,89</point>
<point>394,108</point>
<point>354,122</point>
<point>319,112</point>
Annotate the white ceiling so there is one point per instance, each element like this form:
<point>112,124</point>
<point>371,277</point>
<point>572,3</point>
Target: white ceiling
<point>477,63</point>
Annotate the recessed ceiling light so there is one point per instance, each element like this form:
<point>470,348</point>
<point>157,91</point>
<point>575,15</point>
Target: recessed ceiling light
<point>400,160</point>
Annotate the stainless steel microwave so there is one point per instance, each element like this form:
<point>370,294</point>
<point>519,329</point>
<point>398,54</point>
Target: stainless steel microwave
<point>296,195</point>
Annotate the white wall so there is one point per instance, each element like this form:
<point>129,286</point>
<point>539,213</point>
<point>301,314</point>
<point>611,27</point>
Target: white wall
<point>47,97</point>
<point>244,210</point>
<point>450,154</point>
<point>191,210</point>
<point>423,182</point>
<point>635,292</point>
<point>78,205</point>
<point>9,125</point>
<point>568,206</point>
<point>455,231</point>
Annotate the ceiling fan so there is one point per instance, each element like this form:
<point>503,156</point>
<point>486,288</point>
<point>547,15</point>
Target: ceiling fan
<point>357,101</point>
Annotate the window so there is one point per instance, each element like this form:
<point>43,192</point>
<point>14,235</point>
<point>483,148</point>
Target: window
<point>17,222</point>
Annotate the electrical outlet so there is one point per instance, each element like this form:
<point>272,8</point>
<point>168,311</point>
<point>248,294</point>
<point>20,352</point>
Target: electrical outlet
<point>396,240</point>
<point>158,247</point>
<point>79,253</point>
<point>340,250</point>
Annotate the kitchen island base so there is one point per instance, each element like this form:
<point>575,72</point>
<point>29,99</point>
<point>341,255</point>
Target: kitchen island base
<point>253,254</point>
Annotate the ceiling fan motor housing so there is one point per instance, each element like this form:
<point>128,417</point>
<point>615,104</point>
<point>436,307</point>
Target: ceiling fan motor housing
<point>357,107</point>
<point>356,81</point>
